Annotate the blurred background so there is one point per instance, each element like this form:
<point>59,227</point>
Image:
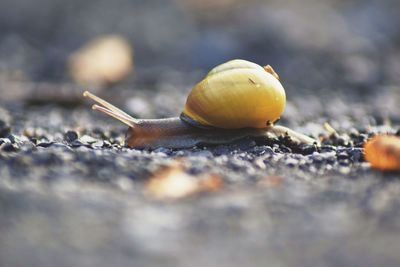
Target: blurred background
<point>337,54</point>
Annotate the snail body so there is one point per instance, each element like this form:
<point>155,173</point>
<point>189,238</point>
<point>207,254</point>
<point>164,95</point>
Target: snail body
<point>235,100</point>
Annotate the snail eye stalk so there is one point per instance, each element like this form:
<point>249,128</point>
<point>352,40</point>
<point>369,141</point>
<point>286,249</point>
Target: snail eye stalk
<point>111,110</point>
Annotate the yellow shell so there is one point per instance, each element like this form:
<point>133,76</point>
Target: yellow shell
<point>236,94</point>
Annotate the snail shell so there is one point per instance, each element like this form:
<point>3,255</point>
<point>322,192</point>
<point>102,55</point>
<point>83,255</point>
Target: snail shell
<point>236,94</point>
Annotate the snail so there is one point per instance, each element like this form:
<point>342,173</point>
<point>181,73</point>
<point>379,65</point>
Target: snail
<point>235,100</point>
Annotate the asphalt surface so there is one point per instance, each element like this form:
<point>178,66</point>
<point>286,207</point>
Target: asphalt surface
<point>71,193</point>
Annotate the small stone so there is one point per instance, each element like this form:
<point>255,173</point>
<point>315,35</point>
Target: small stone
<point>76,143</point>
<point>276,149</point>
<point>86,139</point>
<point>306,149</point>
<point>317,158</point>
<point>5,129</point>
<point>329,157</point>
<point>342,155</point>
<point>8,147</point>
<point>27,147</point>
<point>70,136</point>
<point>97,144</point>
<point>59,145</point>
<point>360,140</point>
<point>221,150</point>
<point>106,144</point>
<point>246,156</point>
<point>327,148</point>
<point>262,150</point>
<point>354,132</point>
<point>291,162</point>
<point>4,140</point>
<point>99,133</point>
<point>344,162</point>
<point>164,150</point>
<point>285,149</point>
<point>45,144</point>
<point>341,141</point>
<point>13,138</point>
<point>356,154</point>
<point>245,144</point>
<point>344,169</point>
<point>202,153</point>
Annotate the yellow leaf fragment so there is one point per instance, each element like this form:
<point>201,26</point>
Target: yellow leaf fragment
<point>106,59</point>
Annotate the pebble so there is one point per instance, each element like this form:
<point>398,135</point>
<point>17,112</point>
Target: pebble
<point>221,150</point>
<point>59,145</point>
<point>86,139</point>
<point>317,158</point>
<point>13,138</point>
<point>327,148</point>
<point>98,144</point>
<point>329,158</point>
<point>342,155</point>
<point>76,143</point>
<point>164,150</point>
<point>202,153</point>
<point>291,162</point>
<point>106,144</point>
<point>45,144</point>
<point>4,140</point>
<point>353,132</point>
<point>285,149</point>
<point>305,149</point>
<point>99,133</point>
<point>70,136</point>
<point>244,144</point>
<point>342,141</point>
<point>5,129</point>
<point>262,150</point>
<point>8,147</point>
<point>344,162</point>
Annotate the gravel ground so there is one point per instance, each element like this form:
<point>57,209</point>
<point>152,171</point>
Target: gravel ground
<point>72,195</point>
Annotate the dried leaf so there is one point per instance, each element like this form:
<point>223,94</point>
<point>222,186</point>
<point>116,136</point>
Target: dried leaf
<point>107,59</point>
<point>383,152</point>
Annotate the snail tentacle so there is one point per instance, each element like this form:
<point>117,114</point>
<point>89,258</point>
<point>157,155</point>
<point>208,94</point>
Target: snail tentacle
<point>117,116</point>
<point>111,110</point>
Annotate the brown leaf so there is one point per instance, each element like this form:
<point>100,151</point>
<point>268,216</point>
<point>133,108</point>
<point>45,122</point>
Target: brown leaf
<point>173,183</point>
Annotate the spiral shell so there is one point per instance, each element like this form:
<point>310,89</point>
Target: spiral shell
<point>236,94</point>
